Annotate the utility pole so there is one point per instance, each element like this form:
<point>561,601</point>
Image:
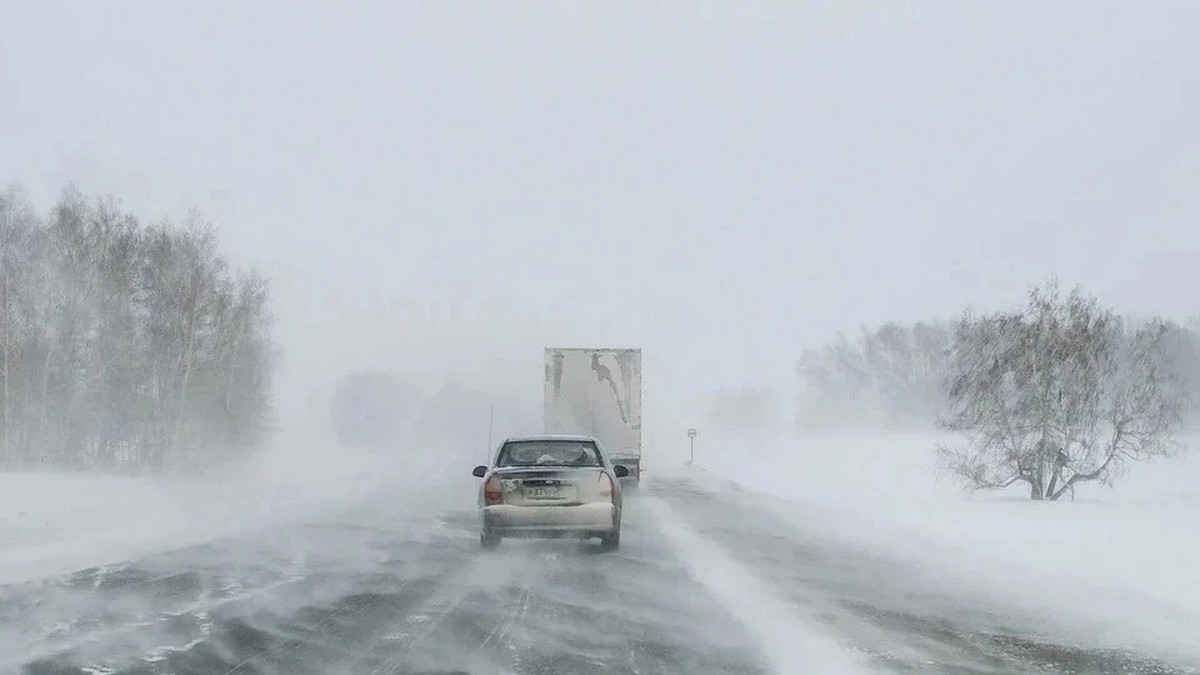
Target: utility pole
<point>691,434</point>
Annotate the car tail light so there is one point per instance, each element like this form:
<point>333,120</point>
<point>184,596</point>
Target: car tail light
<point>606,485</point>
<point>492,493</point>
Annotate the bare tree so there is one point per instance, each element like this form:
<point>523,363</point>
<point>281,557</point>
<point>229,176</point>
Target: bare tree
<point>1057,394</point>
<point>17,230</point>
<point>892,375</point>
<point>126,347</point>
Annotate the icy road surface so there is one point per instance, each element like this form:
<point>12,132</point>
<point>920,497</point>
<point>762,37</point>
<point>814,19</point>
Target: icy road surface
<point>704,583</point>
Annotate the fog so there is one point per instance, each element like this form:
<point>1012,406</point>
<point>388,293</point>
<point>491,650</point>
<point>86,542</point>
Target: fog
<point>435,193</point>
<point>718,186</point>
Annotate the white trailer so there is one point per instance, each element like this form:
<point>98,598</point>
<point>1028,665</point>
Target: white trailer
<point>597,392</point>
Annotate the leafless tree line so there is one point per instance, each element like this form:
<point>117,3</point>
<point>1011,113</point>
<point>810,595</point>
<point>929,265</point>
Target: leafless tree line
<point>126,346</point>
<point>385,412</point>
<point>898,375</point>
<point>1059,392</point>
<point>891,376</point>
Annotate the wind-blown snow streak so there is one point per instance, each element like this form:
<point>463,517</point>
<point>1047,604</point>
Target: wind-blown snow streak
<point>791,644</point>
<point>1112,566</point>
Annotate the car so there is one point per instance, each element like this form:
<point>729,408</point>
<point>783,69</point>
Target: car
<point>551,486</point>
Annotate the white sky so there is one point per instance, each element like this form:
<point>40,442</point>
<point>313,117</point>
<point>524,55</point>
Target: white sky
<point>720,186</point>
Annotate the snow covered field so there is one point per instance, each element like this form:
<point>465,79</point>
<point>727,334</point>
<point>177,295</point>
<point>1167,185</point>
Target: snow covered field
<point>57,523</point>
<point>54,523</point>
<point>1127,556</point>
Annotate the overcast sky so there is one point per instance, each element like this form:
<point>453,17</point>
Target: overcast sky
<point>722,185</point>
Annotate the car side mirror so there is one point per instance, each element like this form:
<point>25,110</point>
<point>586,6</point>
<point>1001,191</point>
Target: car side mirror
<point>620,471</point>
<point>480,471</point>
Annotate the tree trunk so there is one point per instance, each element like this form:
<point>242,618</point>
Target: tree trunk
<point>1053,484</point>
<point>186,376</point>
<point>233,361</point>
<point>8,459</point>
<point>44,442</point>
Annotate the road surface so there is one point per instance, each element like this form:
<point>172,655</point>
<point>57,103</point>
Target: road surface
<point>704,583</point>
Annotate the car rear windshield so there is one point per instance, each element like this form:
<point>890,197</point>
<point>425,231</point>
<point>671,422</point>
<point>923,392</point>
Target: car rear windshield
<point>549,453</point>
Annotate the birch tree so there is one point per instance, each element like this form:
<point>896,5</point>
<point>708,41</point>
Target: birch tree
<point>124,346</point>
<point>18,230</point>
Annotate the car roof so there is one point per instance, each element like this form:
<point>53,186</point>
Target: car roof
<point>550,437</point>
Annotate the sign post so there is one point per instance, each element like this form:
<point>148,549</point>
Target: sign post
<point>691,434</point>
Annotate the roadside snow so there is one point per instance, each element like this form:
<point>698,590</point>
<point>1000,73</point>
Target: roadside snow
<point>1127,558</point>
<point>53,524</point>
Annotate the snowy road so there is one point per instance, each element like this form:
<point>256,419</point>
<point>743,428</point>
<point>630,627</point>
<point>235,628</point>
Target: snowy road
<point>704,583</point>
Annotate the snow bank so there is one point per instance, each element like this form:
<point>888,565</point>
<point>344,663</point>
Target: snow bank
<point>1127,558</point>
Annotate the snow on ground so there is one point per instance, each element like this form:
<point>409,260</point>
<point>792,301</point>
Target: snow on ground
<point>55,523</point>
<point>1128,556</point>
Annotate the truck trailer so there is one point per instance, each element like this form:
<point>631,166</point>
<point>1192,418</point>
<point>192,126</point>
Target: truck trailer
<point>597,392</point>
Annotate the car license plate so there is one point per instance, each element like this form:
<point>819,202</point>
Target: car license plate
<point>551,492</point>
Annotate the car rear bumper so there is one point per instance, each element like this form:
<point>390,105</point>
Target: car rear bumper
<point>583,519</point>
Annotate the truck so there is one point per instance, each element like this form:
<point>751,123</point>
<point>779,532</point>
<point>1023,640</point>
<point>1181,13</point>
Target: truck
<point>597,392</point>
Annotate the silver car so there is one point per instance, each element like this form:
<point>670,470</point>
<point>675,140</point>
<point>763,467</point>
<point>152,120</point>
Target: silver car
<point>550,487</point>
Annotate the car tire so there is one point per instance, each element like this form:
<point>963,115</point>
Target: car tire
<point>611,542</point>
<point>487,540</point>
